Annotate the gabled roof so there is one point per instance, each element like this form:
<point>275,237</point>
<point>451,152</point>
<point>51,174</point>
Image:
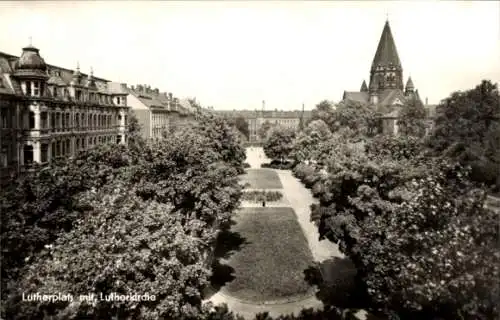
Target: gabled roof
<point>363,97</point>
<point>387,53</point>
<point>388,96</point>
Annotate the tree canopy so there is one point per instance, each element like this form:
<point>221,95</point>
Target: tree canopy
<point>131,219</point>
<point>467,128</point>
<point>412,118</point>
<point>413,220</point>
<point>280,143</point>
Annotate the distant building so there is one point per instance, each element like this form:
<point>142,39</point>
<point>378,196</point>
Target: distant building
<point>157,111</point>
<point>385,91</point>
<point>255,119</point>
<point>48,112</point>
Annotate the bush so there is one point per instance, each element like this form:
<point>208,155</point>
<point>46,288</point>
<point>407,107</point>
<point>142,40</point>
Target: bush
<point>246,165</point>
<point>276,164</point>
<point>396,147</point>
<point>257,196</point>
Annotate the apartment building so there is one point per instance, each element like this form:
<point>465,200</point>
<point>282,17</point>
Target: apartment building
<point>48,111</point>
<point>158,112</point>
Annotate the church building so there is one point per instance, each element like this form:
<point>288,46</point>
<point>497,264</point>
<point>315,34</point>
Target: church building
<point>385,91</point>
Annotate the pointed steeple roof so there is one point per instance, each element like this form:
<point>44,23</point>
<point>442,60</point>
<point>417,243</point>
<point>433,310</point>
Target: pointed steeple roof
<point>409,84</point>
<point>364,87</point>
<point>387,53</point>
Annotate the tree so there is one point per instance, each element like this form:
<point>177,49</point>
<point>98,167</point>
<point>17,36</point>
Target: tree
<point>150,211</point>
<point>126,246</point>
<point>411,120</point>
<point>408,224</point>
<point>435,256</point>
<point>467,128</point>
<point>308,140</point>
<point>360,118</point>
<point>324,111</point>
<point>242,125</point>
<point>264,129</point>
<point>223,139</point>
<point>279,143</point>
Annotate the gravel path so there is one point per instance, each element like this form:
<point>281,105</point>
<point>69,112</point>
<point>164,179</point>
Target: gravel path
<point>300,199</point>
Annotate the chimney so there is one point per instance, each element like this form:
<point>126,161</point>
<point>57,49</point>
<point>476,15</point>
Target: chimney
<point>156,91</point>
<point>132,87</point>
<point>140,88</point>
<point>170,95</point>
<point>426,101</point>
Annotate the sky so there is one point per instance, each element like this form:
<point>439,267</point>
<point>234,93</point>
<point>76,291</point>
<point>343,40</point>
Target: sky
<point>235,54</point>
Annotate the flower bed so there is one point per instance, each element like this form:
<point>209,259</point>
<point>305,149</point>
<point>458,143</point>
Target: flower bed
<point>257,196</point>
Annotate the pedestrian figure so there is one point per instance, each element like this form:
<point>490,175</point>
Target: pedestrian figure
<point>264,203</point>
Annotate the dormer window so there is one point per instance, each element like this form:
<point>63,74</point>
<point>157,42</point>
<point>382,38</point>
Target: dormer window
<point>36,88</point>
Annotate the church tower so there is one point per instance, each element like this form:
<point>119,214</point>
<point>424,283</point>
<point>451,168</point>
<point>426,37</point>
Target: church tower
<point>386,71</point>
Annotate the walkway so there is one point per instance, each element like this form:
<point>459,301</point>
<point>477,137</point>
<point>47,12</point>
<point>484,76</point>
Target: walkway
<point>300,199</point>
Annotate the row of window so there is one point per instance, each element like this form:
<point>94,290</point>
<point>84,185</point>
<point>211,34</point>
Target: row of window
<point>38,89</point>
<point>160,119</point>
<point>62,120</point>
<point>63,148</point>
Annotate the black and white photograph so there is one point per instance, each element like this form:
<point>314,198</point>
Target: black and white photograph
<point>249,160</point>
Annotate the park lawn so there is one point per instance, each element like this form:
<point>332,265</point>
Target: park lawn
<point>270,265</point>
<point>261,179</point>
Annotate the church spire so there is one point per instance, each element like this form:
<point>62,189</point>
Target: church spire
<point>409,85</point>
<point>386,54</point>
<point>386,67</point>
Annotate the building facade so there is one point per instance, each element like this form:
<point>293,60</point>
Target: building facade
<point>158,112</point>
<point>255,119</point>
<point>49,112</point>
<point>386,92</point>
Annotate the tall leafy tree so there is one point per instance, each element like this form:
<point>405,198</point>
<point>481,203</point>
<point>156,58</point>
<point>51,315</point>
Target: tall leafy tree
<point>242,126</point>
<point>467,128</point>
<point>324,111</point>
<point>280,143</point>
<point>308,140</point>
<point>412,117</point>
<point>360,118</point>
